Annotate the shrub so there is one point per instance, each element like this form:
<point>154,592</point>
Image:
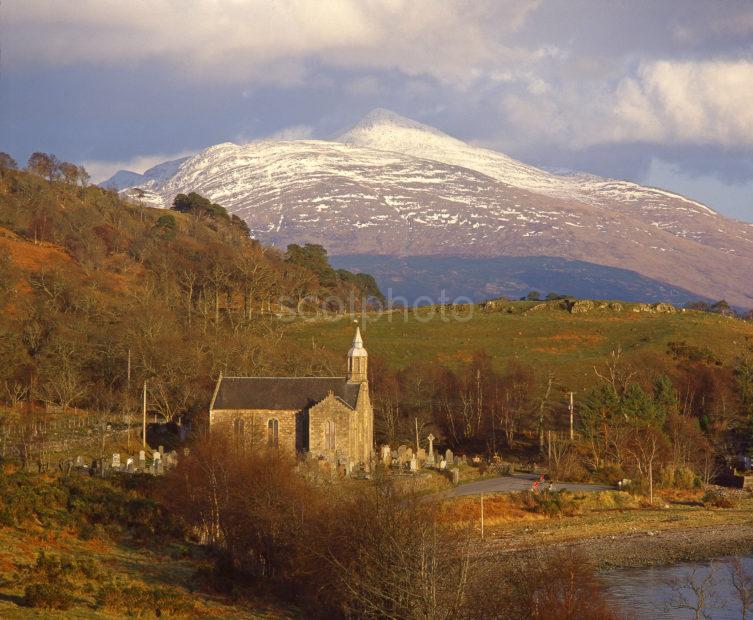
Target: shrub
<point>609,474</point>
<point>679,477</point>
<point>551,504</point>
<point>714,498</point>
<point>47,596</point>
<point>136,599</point>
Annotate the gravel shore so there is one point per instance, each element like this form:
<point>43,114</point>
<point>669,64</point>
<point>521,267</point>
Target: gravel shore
<point>655,548</point>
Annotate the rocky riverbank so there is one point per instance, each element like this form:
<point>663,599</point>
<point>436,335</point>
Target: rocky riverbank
<point>652,548</point>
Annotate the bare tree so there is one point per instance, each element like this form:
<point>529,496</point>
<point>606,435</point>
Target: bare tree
<point>646,448</point>
<point>742,582</point>
<point>695,592</point>
<point>615,373</point>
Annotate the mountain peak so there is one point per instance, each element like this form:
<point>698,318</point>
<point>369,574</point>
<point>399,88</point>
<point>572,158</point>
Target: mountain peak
<point>383,116</point>
<point>386,130</point>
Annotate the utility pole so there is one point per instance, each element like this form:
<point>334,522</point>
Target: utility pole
<point>482,515</point>
<point>143,427</point>
<point>418,446</point>
<point>572,436</point>
<point>128,402</point>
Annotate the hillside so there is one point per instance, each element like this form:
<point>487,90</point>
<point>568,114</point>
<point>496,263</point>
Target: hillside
<point>540,334</point>
<point>393,187</point>
<point>94,288</point>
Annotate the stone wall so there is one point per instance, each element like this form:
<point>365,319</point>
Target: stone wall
<point>331,409</point>
<point>255,423</point>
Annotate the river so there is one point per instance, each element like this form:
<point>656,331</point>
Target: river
<point>654,593</point>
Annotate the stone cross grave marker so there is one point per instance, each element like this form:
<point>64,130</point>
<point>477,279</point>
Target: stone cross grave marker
<point>430,456</point>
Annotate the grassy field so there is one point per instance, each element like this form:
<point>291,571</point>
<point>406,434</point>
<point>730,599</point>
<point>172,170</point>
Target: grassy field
<point>549,338</point>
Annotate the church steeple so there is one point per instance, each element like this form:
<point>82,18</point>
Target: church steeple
<point>357,360</point>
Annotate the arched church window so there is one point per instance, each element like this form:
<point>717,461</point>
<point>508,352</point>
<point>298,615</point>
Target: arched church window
<point>273,429</point>
<point>329,435</point>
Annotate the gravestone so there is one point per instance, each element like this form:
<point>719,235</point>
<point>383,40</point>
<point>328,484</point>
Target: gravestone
<point>458,460</point>
<point>421,456</point>
<point>448,456</point>
<point>408,454</point>
<point>442,464</point>
<point>386,455</point>
<point>160,468</point>
<point>394,455</point>
<point>116,460</point>
<point>157,456</point>
<point>455,475</point>
<point>80,461</point>
<point>161,451</point>
<point>129,465</point>
<point>142,460</point>
<point>413,464</point>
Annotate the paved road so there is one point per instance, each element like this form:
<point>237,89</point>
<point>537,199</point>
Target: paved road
<point>520,482</point>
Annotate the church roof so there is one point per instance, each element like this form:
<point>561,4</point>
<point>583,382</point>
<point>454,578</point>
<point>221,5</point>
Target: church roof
<point>281,393</point>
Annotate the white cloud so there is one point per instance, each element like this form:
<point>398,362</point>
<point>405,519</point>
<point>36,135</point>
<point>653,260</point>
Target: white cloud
<point>687,102</point>
<point>260,40</point>
<point>662,102</point>
<point>101,170</point>
<point>294,132</point>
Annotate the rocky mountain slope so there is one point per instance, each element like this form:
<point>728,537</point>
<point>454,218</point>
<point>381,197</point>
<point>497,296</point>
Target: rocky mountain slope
<point>393,187</point>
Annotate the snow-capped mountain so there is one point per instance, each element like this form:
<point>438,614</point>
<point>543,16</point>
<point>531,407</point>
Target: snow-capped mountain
<point>391,186</point>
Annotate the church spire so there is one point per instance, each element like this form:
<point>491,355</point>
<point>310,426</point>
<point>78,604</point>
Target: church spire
<point>357,360</point>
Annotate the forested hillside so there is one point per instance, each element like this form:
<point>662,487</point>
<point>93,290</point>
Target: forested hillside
<point>87,279</point>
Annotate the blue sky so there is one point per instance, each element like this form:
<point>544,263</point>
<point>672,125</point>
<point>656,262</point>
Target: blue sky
<point>655,92</point>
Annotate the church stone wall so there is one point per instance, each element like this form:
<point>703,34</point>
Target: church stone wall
<point>330,409</point>
<point>255,426</point>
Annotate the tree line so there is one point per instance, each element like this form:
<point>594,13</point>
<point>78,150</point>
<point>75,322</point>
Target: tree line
<point>680,423</point>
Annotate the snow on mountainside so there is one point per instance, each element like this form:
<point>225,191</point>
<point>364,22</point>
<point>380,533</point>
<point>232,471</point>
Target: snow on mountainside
<point>123,179</point>
<point>392,186</point>
<point>386,131</point>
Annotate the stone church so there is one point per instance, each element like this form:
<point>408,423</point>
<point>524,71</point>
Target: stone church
<point>320,417</point>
